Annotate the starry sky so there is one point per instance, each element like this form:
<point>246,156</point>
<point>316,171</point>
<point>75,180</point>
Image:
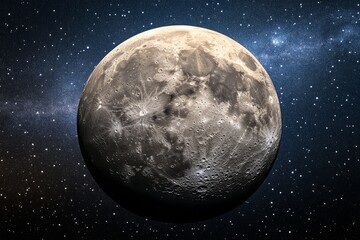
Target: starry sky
<point>310,49</point>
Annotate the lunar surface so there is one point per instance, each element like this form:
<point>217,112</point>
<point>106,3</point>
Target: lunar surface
<point>179,124</point>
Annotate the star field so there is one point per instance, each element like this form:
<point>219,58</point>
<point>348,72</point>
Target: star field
<point>310,50</point>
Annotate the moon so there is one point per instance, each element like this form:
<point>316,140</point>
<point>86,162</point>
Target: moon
<point>179,124</point>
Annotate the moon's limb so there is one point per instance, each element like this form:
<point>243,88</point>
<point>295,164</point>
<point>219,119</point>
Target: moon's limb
<point>181,116</point>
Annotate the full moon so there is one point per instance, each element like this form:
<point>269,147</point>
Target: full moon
<point>179,124</point>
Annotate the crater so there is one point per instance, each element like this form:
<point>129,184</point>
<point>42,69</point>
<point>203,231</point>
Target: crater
<point>248,60</point>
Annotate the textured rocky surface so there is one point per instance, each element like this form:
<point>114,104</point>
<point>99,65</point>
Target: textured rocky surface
<point>179,123</point>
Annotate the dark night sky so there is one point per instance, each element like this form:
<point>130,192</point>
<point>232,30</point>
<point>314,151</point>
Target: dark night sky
<point>309,48</point>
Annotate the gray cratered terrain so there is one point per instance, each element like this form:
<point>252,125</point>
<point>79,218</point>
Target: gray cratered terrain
<point>179,123</point>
